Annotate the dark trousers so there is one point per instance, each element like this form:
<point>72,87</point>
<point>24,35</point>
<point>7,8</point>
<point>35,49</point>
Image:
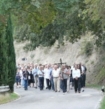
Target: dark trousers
<point>83,79</point>
<point>64,85</point>
<point>41,83</point>
<point>77,85</point>
<point>61,84</point>
<point>52,83</point>
<point>25,84</point>
<point>48,82</point>
<point>72,81</point>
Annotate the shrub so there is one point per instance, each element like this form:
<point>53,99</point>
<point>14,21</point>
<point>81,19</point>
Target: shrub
<point>88,48</point>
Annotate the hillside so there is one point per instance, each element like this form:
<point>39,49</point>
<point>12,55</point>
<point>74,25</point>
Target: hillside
<point>69,53</point>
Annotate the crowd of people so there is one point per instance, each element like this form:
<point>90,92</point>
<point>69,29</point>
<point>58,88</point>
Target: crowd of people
<point>52,77</point>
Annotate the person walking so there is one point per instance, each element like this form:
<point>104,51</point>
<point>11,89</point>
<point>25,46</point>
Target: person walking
<point>41,77</point>
<point>83,75</point>
<point>17,78</point>
<point>56,78</point>
<point>25,77</point>
<point>47,72</point>
<point>76,76</point>
<point>31,78</point>
<point>64,77</point>
<point>68,73</point>
<point>35,74</point>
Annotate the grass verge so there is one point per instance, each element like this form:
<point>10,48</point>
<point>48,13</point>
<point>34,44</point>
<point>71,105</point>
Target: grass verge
<point>95,86</point>
<point>103,104</point>
<point>8,98</point>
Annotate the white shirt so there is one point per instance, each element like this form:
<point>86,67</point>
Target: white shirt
<point>34,71</point>
<point>55,73</point>
<point>40,73</point>
<point>83,69</point>
<point>76,73</point>
<point>21,74</point>
<point>47,73</point>
<point>72,68</point>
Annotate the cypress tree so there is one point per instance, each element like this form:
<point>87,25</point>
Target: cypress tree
<point>11,54</point>
<point>3,56</point>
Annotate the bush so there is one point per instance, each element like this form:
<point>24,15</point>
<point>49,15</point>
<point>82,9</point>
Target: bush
<point>88,48</point>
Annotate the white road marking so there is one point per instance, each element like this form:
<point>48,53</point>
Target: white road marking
<point>98,104</point>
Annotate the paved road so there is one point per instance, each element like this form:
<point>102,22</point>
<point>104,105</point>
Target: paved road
<point>36,99</point>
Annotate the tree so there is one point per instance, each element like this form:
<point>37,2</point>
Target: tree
<point>4,56</point>
<point>11,54</point>
<point>7,60</point>
<point>63,20</point>
<point>95,12</point>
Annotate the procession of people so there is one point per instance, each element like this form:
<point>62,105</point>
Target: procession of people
<point>56,77</point>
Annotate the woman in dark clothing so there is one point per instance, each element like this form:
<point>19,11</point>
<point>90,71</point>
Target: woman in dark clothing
<point>17,78</point>
<point>31,78</point>
<point>81,77</point>
<point>25,77</point>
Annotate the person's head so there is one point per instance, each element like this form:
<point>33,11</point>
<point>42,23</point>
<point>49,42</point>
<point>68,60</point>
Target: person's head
<point>79,66</point>
<point>66,66</point>
<point>55,67</point>
<point>52,66</point>
<point>46,66</point>
<point>41,67</point>
<point>25,69</point>
<point>30,68</point>
<point>69,67</point>
<point>35,66</point>
<point>63,67</point>
<point>76,66</point>
<point>80,63</point>
<point>49,65</point>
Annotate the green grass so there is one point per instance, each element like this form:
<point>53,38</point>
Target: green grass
<point>103,104</point>
<point>101,75</point>
<point>95,86</point>
<point>8,98</point>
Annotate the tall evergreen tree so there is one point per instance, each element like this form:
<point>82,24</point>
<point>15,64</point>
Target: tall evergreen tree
<point>11,54</point>
<point>3,56</point>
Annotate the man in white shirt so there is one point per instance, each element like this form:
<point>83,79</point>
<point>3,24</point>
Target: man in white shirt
<point>35,74</point>
<point>76,77</point>
<point>56,78</point>
<point>83,68</point>
<point>41,77</point>
<point>47,72</point>
<point>21,77</point>
<point>71,77</point>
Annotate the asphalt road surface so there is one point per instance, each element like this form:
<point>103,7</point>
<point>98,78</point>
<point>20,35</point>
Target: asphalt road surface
<point>48,99</point>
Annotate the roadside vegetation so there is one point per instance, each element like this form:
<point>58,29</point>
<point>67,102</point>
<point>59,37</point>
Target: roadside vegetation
<point>8,98</point>
<point>103,104</point>
<point>95,86</point>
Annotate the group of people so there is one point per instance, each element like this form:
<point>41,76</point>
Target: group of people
<point>52,77</point>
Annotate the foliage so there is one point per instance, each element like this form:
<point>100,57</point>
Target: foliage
<point>101,75</point>
<point>61,19</point>
<point>7,60</point>
<point>95,10</point>
<point>44,22</point>
<point>11,54</point>
<point>8,98</point>
<point>4,57</point>
<point>103,104</point>
<point>88,48</point>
